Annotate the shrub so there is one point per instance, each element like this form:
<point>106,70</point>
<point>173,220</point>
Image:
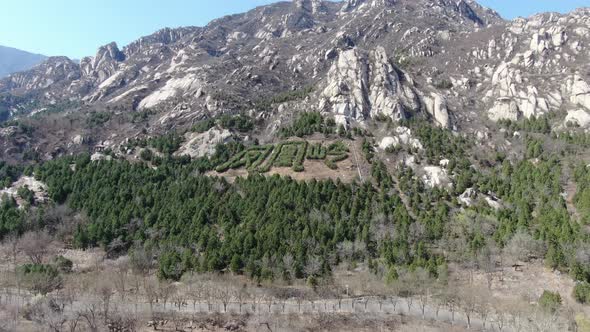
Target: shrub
<point>146,154</point>
<point>316,151</point>
<point>203,126</point>
<point>339,158</point>
<point>582,292</point>
<point>337,148</point>
<point>264,153</point>
<point>331,164</point>
<point>444,84</point>
<point>26,194</point>
<point>286,156</point>
<point>550,301</point>
<point>40,278</point>
<point>63,264</point>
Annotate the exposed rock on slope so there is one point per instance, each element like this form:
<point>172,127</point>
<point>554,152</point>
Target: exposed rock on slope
<point>360,86</point>
<point>455,63</point>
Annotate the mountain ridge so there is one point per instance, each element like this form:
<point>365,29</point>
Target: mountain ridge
<point>14,60</point>
<point>456,64</point>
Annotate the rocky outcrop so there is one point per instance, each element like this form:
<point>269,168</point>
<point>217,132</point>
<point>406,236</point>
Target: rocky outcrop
<point>361,86</point>
<point>190,84</point>
<point>54,72</point>
<point>104,64</point>
<point>472,196</point>
<point>579,91</point>
<point>403,136</point>
<point>512,98</point>
<point>38,188</point>
<point>436,105</point>
<point>346,90</point>
<point>579,118</point>
<point>435,176</point>
<point>203,144</point>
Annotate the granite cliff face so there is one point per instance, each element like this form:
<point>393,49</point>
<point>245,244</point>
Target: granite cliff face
<point>455,63</point>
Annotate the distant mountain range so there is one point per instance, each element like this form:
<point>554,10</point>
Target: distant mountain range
<point>13,60</point>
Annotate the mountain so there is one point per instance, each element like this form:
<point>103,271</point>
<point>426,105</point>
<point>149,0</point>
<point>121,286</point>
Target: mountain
<point>13,60</point>
<point>456,64</point>
<point>304,154</point>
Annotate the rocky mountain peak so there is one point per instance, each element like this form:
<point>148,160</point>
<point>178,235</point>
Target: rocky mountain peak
<point>311,6</point>
<point>50,73</point>
<point>104,63</point>
<point>350,5</point>
<point>109,52</point>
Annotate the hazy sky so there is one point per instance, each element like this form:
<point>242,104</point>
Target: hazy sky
<point>77,28</point>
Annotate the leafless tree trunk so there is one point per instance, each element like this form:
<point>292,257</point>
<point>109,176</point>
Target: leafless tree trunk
<point>241,295</point>
<point>483,309</point>
<point>165,290</point>
<point>151,293</point>
<point>195,293</point>
<point>120,280</point>
<point>90,315</point>
<point>394,300</point>
<point>179,299</point>
<point>104,291</point>
<point>225,295</point>
<point>73,323</point>
<point>409,302</point>
<point>269,301</point>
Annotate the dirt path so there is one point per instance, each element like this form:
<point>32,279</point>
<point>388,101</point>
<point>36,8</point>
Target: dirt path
<point>357,162</point>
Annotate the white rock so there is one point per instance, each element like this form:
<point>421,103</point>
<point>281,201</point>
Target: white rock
<point>579,117</point>
<point>387,142</point>
<point>436,105</point>
<point>78,140</point>
<point>435,177</point>
<point>360,86</point>
<point>580,92</point>
<point>493,203</point>
<point>202,144</point>
<point>188,84</point>
<point>504,108</point>
<point>37,187</point>
<point>97,156</point>
<point>468,197</point>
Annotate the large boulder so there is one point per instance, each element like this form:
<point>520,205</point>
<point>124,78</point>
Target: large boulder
<point>436,105</point>
<point>578,117</point>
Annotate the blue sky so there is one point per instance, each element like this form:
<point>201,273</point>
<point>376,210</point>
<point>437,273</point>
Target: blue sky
<point>76,28</point>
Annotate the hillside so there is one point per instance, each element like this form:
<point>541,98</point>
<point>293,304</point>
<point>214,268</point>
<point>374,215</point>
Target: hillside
<point>421,152</point>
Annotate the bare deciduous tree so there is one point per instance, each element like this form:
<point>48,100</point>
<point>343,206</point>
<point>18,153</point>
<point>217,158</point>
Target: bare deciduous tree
<point>151,293</point>
<point>166,290</point>
<point>91,317</point>
<point>241,295</point>
<point>195,293</point>
<point>47,315</point>
<point>179,298</point>
<point>120,277</point>
<point>469,302</point>
<point>225,295</point>
<point>36,245</point>
<point>104,292</point>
